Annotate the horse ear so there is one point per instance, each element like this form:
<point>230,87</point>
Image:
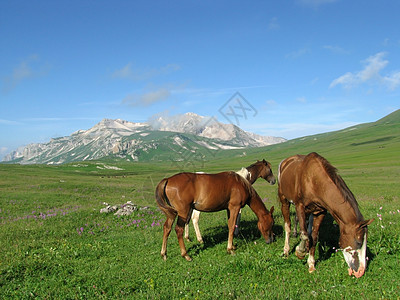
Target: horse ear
<point>271,210</point>
<point>364,224</point>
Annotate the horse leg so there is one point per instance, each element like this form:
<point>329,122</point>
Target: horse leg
<point>302,248</point>
<point>195,215</point>
<point>179,228</point>
<point>285,207</point>
<point>195,220</point>
<point>232,216</point>
<point>187,232</point>
<point>316,223</point>
<point>236,232</point>
<point>296,223</point>
<point>167,230</point>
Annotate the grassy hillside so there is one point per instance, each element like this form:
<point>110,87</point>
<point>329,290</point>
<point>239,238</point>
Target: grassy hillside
<point>56,244</point>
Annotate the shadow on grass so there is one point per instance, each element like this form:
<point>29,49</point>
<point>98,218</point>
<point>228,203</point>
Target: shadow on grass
<point>216,235</point>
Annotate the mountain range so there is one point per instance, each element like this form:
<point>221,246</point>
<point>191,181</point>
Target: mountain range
<point>177,138</point>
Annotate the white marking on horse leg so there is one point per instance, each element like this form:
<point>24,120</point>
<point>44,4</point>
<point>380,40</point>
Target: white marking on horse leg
<point>187,232</point>
<point>301,248</point>
<point>286,248</point>
<point>311,263</point>
<point>195,220</point>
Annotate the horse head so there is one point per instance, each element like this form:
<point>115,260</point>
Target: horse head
<point>265,225</point>
<point>266,171</point>
<point>353,242</point>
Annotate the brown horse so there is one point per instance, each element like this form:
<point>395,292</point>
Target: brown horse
<point>312,184</point>
<point>260,169</point>
<point>178,195</point>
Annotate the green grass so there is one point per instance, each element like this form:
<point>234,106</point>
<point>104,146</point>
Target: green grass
<point>55,244</point>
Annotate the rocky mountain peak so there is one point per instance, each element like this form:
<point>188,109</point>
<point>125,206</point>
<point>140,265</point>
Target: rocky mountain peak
<point>120,137</point>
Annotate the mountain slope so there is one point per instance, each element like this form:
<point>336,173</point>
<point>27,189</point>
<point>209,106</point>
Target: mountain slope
<point>174,138</point>
<point>209,127</point>
<point>375,141</point>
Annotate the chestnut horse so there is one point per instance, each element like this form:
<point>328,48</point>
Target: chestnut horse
<point>260,169</point>
<point>179,194</point>
<point>312,184</point>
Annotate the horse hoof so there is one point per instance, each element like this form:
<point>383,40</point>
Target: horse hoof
<point>187,257</point>
<point>231,251</point>
<point>201,241</point>
<point>311,269</point>
<point>285,254</point>
<point>300,255</point>
<point>164,257</point>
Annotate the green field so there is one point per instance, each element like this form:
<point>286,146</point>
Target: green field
<point>56,245</point>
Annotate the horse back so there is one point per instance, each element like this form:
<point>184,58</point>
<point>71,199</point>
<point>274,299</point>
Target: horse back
<point>304,178</point>
<point>207,192</point>
<point>290,172</point>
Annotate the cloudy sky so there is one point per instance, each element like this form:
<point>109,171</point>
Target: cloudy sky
<point>283,68</point>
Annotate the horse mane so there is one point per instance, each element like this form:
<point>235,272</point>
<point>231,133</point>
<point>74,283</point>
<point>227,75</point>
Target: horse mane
<point>340,184</point>
<point>256,163</point>
<point>243,180</point>
<point>244,173</point>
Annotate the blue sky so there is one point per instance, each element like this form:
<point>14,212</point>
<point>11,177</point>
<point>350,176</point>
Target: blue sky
<point>300,67</point>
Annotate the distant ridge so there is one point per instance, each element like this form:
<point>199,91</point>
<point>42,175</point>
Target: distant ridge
<point>377,139</point>
<point>162,138</point>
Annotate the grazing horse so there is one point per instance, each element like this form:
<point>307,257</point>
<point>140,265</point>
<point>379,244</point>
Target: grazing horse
<point>312,184</point>
<point>179,194</point>
<point>260,169</point>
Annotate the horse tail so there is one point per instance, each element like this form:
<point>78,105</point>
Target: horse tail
<point>162,200</point>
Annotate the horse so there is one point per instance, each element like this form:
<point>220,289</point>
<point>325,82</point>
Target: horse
<point>313,185</point>
<point>260,169</point>
<point>179,194</point>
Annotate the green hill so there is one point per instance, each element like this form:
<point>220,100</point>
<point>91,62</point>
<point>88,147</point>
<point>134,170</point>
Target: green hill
<point>376,142</point>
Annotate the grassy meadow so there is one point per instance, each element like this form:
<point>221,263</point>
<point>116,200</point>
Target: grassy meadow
<point>56,245</point>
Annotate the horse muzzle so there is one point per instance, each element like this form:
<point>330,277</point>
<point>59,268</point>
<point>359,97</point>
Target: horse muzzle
<point>272,181</point>
<point>356,259</point>
<point>270,239</point>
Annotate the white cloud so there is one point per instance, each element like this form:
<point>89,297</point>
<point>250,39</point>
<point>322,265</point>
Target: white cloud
<point>298,53</point>
<point>301,99</point>
<point>26,69</point>
<point>316,3</point>
<point>392,81</point>
<point>335,49</point>
<point>9,122</point>
<point>371,73</point>
<point>295,130</point>
<point>128,72</point>
<point>125,72</point>
<point>3,151</point>
<point>148,98</point>
<point>273,24</point>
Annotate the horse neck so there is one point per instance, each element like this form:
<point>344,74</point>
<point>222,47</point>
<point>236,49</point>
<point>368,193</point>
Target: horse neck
<point>257,206</point>
<point>254,173</point>
<point>344,210</point>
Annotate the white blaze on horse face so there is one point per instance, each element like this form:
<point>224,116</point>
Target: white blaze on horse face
<point>362,253</point>
<point>356,259</point>
<point>351,257</point>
